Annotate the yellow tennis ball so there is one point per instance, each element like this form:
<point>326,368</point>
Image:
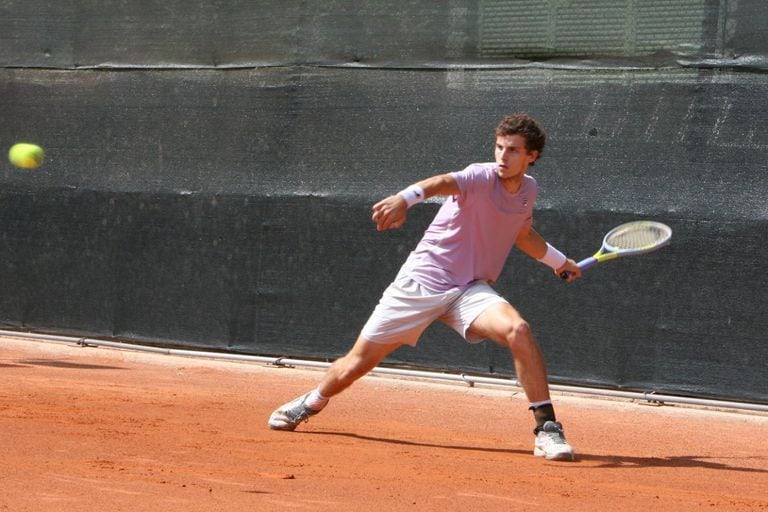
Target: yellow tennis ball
<point>26,155</point>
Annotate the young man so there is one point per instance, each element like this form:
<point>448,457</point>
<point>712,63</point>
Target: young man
<point>448,277</point>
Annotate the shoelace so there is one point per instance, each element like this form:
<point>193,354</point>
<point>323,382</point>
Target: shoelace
<point>301,413</point>
<point>556,438</point>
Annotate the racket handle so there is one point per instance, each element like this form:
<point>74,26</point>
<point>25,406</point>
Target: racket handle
<point>583,265</point>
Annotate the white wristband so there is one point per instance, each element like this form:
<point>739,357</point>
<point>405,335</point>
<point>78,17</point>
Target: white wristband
<point>553,258</point>
<point>413,194</point>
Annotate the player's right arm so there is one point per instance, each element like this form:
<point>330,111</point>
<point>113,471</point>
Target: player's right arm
<point>391,212</point>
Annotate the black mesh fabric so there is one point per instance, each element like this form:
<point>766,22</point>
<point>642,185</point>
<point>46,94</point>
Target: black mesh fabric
<point>210,170</point>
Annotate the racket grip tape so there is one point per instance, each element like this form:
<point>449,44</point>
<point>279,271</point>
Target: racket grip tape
<point>583,265</point>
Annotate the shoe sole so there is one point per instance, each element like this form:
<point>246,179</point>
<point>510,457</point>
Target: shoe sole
<point>558,456</point>
<point>279,425</point>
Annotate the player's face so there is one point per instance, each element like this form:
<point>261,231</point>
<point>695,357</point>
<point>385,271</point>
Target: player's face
<point>512,158</point>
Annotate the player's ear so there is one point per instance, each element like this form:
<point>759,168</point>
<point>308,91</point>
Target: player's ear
<point>533,156</point>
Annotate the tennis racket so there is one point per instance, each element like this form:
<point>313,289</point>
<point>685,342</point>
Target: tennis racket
<point>630,239</point>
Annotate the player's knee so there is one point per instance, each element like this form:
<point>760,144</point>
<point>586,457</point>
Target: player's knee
<point>518,336</point>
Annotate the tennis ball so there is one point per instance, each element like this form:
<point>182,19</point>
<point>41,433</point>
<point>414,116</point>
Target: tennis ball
<point>26,156</point>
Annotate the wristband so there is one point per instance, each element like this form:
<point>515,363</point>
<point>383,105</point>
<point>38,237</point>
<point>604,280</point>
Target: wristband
<point>413,194</point>
<point>553,258</point>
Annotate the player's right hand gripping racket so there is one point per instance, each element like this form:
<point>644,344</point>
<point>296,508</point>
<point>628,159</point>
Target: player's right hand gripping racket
<point>638,237</point>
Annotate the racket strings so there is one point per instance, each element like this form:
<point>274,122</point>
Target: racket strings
<point>638,237</point>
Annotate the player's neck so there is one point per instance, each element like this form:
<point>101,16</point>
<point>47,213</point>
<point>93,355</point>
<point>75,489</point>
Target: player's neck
<point>513,183</point>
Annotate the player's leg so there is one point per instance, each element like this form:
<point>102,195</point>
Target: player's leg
<point>503,324</point>
<point>405,310</point>
<point>361,359</point>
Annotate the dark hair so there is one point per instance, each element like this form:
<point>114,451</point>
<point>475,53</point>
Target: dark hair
<point>525,126</point>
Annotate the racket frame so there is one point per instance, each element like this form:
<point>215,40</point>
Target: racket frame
<point>608,252</point>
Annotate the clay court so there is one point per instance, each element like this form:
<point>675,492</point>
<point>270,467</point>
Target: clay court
<point>87,429</point>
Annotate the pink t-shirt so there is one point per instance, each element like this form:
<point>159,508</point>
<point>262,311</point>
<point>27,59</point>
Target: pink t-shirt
<point>472,234</point>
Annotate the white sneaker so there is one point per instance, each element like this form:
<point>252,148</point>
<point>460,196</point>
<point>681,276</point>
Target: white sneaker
<point>551,444</point>
<point>288,416</point>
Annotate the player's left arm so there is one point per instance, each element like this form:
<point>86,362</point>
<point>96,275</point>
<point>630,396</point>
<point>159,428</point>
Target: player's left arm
<point>533,244</point>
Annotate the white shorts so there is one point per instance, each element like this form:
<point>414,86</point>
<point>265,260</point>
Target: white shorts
<point>407,308</point>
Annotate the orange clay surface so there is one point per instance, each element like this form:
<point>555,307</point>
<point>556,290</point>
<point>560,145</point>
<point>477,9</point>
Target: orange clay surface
<point>95,429</point>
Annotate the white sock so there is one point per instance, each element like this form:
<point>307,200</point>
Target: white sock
<point>315,400</point>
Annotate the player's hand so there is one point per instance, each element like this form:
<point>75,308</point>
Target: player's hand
<point>390,213</point>
<point>570,270</point>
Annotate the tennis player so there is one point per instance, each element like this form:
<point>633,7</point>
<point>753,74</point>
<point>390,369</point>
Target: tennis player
<point>448,277</point>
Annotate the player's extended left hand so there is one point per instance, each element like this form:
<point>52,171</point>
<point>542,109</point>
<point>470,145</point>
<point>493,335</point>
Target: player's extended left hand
<point>390,213</point>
